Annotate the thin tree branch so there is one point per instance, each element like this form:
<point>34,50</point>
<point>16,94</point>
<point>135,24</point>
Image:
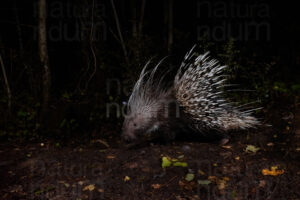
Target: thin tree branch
<point>9,96</point>
<point>119,31</point>
<point>92,48</point>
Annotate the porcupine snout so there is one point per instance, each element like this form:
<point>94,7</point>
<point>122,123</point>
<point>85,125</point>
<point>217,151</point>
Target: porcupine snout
<point>132,129</point>
<point>139,127</point>
<point>128,134</point>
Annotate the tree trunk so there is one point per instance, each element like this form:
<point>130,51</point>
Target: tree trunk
<point>43,51</point>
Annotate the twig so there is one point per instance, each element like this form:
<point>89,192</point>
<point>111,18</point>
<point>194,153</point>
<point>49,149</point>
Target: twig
<point>92,49</point>
<point>6,85</point>
<point>119,31</point>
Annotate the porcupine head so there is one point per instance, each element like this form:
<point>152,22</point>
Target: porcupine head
<point>196,89</point>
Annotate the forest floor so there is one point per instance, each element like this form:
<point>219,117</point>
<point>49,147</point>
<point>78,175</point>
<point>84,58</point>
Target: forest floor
<point>258,164</point>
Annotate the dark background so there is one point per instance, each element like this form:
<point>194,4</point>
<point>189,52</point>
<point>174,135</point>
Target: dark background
<point>259,40</point>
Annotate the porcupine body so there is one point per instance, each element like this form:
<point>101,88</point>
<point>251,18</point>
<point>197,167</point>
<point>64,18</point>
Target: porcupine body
<point>193,102</point>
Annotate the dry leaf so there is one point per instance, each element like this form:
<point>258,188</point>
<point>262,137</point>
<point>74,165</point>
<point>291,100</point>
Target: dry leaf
<point>221,184</point>
<point>126,178</point>
<point>270,144</point>
<point>201,172</point>
<point>80,182</point>
<point>262,183</point>
<point>155,186</point>
<point>100,190</point>
<point>226,147</point>
<point>90,187</point>
<point>252,149</point>
<point>273,172</point>
<point>110,157</point>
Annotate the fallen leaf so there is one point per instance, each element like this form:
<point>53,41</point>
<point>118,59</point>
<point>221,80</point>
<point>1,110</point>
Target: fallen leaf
<point>180,164</point>
<point>201,172</point>
<point>90,187</point>
<point>110,157</point>
<point>273,172</point>
<point>270,144</point>
<point>189,177</point>
<point>100,190</point>
<point>221,184</point>
<point>212,178</point>
<point>252,149</point>
<point>155,186</point>
<point>127,178</point>
<point>166,162</point>
<point>262,183</point>
<point>204,182</point>
<point>80,182</point>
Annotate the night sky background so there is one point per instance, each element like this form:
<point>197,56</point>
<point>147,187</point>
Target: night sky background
<point>257,39</point>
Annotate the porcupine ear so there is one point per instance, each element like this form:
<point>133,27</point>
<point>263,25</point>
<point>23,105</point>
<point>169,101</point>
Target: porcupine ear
<point>198,88</point>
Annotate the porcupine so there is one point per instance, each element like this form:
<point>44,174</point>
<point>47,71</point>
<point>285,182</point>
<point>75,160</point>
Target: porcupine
<point>196,90</point>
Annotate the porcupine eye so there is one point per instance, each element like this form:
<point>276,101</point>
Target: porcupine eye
<point>134,124</point>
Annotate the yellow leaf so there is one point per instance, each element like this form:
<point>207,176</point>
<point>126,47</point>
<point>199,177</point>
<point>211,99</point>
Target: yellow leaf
<point>90,187</point>
<point>273,172</point>
<point>127,178</point>
<point>166,162</point>
<point>189,177</point>
<point>252,148</point>
<point>180,164</point>
<point>221,184</point>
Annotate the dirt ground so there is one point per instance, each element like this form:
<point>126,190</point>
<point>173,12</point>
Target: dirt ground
<point>257,164</point>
